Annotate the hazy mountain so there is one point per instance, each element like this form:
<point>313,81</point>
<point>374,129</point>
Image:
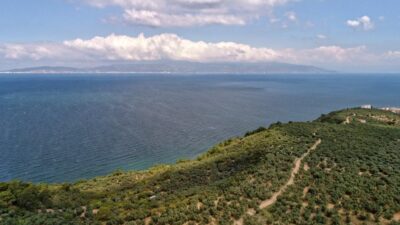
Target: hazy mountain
<point>45,69</point>
<point>180,67</point>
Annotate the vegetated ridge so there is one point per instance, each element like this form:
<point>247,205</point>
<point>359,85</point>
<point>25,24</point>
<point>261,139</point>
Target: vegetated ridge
<point>343,168</point>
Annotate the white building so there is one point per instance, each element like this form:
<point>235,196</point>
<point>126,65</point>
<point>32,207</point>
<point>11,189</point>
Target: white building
<point>366,106</point>
<point>392,109</point>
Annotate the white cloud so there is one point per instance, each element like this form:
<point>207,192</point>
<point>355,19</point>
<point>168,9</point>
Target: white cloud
<point>393,54</point>
<point>322,36</point>
<point>291,16</point>
<point>364,23</point>
<point>119,48</point>
<point>169,46</point>
<point>155,19</point>
<point>181,13</point>
<point>334,53</point>
<point>30,51</point>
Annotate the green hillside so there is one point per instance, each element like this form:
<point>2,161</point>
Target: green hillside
<point>343,168</point>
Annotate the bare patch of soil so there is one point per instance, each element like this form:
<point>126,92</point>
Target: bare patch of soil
<point>396,217</point>
<point>306,167</point>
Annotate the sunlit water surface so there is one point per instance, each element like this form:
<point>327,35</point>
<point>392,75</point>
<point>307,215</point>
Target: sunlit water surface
<point>58,128</point>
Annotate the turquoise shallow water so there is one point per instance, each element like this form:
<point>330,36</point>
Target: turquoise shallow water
<point>58,128</point>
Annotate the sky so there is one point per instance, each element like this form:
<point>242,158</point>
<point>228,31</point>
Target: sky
<point>341,35</point>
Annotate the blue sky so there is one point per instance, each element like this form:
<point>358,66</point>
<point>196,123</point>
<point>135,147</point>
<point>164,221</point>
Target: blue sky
<point>356,35</point>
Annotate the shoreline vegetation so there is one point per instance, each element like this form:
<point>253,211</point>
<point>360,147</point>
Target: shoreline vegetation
<point>342,168</point>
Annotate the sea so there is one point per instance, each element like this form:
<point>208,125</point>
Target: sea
<point>58,128</point>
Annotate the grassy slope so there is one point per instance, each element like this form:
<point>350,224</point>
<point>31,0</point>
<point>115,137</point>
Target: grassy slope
<point>353,176</point>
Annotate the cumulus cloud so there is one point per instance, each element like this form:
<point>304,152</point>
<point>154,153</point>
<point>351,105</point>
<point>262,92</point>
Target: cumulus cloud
<point>120,48</point>
<point>169,46</point>
<point>18,51</point>
<point>181,13</point>
<point>39,51</point>
<point>364,23</point>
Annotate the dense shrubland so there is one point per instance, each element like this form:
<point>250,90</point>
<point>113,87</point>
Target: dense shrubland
<point>352,178</point>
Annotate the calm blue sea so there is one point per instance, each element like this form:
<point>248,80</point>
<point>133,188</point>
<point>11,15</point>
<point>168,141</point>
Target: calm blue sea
<point>58,128</point>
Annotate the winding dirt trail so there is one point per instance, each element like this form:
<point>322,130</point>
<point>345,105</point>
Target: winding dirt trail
<point>295,170</point>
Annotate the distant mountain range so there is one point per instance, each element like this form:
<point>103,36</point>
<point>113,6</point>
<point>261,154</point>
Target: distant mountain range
<point>180,67</point>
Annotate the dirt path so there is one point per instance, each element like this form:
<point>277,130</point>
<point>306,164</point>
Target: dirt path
<point>295,170</point>
<point>347,121</point>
